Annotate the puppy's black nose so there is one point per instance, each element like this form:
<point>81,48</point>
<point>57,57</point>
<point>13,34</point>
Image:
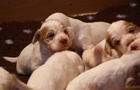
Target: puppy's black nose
<point>133,47</point>
<point>63,41</point>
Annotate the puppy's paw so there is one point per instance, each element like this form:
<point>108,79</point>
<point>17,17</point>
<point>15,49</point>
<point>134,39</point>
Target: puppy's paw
<point>98,53</point>
<point>130,82</point>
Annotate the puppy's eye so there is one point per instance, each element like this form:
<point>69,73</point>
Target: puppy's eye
<point>117,42</point>
<point>50,35</point>
<point>65,31</point>
<point>131,30</point>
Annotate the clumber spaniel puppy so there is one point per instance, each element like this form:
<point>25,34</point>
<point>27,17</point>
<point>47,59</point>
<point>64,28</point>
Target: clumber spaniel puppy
<point>84,35</point>
<point>119,35</point>
<point>52,37</point>
<point>110,74</point>
<point>97,55</point>
<point>57,72</point>
<point>59,32</point>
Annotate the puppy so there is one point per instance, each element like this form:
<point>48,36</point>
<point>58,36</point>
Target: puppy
<point>108,75</point>
<point>119,35</point>
<point>84,35</point>
<point>97,55</point>
<point>7,82</point>
<point>52,37</point>
<point>57,72</point>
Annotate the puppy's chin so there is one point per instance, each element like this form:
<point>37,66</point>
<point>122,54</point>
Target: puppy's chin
<point>60,47</point>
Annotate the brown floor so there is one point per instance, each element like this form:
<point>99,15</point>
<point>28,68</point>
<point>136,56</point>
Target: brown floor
<point>14,31</point>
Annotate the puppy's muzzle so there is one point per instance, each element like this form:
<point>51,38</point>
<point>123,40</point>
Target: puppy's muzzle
<point>64,41</point>
<point>134,47</point>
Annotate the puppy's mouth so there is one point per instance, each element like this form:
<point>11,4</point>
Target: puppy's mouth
<point>134,47</point>
<point>65,46</point>
<point>129,42</point>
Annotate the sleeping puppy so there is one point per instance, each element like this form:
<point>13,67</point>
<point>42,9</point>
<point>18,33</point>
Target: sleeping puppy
<point>108,75</point>
<point>84,35</point>
<point>50,38</point>
<point>7,82</point>
<point>119,35</point>
<point>57,72</point>
<point>97,55</point>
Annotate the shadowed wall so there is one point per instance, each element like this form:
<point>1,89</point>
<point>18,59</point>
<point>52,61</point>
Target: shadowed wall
<point>25,10</point>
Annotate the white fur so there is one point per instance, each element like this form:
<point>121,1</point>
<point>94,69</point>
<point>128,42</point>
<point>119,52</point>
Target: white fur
<point>110,74</point>
<point>85,35</point>
<point>5,80</point>
<point>8,82</point>
<point>57,72</point>
<point>50,38</point>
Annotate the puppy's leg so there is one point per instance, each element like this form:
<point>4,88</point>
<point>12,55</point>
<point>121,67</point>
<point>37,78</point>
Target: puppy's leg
<point>98,54</point>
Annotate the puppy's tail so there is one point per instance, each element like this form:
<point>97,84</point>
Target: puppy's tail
<point>19,84</point>
<point>11,59</point>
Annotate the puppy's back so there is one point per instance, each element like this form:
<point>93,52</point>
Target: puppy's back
<point>55,74</point>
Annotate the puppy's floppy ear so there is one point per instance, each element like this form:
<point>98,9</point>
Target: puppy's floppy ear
<point>108,48</point>
<point>71,32</point>
<point>36,36</point>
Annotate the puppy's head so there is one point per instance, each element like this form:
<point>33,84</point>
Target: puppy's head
<point>135,45</point>
<point>54,35</point>
<point>119,36</point>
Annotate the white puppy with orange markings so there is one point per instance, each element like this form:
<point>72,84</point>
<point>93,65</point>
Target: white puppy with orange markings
<point>97,55</point>
<point>85,35</point>
<point>57,72</point>
<point>59,32</point>
<point>119,35</point>
<point>108,75</point>
<point>50,38</point>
